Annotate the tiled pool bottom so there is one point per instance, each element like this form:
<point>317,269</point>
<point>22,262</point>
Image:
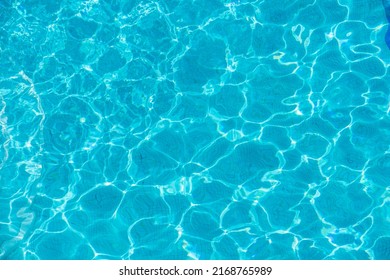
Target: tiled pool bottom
<point>194,130</point>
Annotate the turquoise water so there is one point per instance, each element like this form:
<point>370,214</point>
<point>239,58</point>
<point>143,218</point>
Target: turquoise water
<point>204,129</point>
<point>386,5</point>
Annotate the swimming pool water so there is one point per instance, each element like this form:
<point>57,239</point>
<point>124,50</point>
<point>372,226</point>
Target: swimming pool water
<point>386,5</point>
<point>204,129</point>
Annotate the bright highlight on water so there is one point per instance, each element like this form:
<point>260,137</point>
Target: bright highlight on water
<point>205,129</point>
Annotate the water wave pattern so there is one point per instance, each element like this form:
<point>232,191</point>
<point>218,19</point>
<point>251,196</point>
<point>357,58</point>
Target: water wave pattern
<point>203,129</point>
<point>386,5</point>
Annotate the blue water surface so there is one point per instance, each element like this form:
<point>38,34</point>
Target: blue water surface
<point>204,129</point>
<point>386,4</point>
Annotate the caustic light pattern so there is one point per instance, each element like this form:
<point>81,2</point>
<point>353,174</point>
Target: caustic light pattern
<point>203,129</point>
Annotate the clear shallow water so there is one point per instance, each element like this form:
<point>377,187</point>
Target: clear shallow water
<point>194,130</point>
<point>386,5</point>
